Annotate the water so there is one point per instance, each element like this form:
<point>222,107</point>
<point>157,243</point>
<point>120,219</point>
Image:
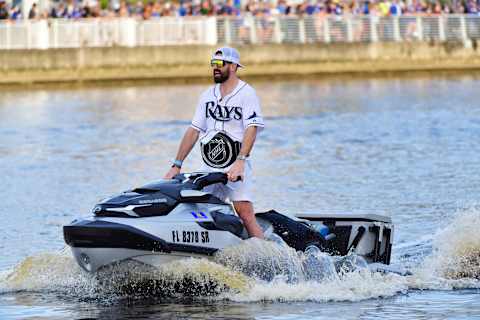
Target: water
<point>405,147</point>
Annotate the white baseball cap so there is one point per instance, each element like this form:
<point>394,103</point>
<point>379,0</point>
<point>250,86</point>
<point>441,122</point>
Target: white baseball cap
<point>227,54</point>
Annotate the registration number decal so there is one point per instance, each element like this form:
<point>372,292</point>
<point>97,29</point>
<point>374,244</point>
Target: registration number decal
<point>190,236</point>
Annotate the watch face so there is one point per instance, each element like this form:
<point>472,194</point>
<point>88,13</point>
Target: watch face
<point>219,152</point>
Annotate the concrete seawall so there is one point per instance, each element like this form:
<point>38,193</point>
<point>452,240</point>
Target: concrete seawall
<point>191,62</point>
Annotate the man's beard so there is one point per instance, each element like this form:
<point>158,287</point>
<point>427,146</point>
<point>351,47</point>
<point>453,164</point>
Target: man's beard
<point>221,77</point>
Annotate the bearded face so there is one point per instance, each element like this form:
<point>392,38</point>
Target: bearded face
<point>221,74</point>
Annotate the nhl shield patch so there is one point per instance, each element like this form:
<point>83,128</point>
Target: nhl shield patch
<point>220,151</point>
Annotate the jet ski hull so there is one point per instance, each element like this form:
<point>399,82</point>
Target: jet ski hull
<point>94,259</point>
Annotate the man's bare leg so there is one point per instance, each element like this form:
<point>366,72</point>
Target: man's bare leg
<point>245,211</point>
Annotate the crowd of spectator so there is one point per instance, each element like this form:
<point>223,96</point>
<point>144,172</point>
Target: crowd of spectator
<point>154,9</point>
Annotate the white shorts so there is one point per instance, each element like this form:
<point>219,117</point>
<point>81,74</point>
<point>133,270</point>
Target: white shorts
<point>232,191</point>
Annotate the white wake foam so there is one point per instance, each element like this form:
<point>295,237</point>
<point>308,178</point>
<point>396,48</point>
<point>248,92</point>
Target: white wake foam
<point>355,286</point>
<point>282,274</point>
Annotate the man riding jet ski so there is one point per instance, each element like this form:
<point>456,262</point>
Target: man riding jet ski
<point>174,219</point>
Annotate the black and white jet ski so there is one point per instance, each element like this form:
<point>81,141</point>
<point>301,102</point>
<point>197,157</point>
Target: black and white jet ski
<point>174,219</point>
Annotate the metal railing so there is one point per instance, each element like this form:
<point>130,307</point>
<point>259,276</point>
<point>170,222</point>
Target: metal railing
<point>56,33</point>
<point>331,29</point>
<point>59,33</point>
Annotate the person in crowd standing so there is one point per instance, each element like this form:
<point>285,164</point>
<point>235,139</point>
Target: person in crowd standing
<point>3,10</point>
<point>32,14</point>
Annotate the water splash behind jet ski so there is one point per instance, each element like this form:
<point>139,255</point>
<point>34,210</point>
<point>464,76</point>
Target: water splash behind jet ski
<point>268,260</point>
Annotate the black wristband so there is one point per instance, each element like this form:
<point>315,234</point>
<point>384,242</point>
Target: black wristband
<point>177,163</point>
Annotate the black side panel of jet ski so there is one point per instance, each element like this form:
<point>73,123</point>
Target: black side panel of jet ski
<point>102,234</point>
<point>226,222</point>
<point>296,234</point>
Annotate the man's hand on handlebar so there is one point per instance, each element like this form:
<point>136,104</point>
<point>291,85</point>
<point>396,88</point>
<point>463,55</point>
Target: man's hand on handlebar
<point>172,172</point>
<point>237,170</point>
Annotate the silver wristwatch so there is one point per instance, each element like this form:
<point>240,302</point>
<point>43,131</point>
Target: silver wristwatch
<point>177,163</point>
<point>241,157</point>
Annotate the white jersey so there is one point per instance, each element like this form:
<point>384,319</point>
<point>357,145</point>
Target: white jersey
<point>232,114</point>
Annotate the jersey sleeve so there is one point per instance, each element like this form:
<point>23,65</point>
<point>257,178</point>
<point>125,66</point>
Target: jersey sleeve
<point>252,113</point>
<point>199,121</point>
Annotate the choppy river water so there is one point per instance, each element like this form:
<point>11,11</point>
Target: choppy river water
<point>407,147</point>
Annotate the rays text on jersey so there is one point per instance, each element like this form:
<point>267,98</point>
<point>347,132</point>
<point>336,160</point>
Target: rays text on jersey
<point>222,113</point>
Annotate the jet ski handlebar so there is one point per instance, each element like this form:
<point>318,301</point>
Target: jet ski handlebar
<point>202,179</point>
<point>207,179</point>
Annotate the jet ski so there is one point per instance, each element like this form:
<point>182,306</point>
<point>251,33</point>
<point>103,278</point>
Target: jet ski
<point>168,220</point>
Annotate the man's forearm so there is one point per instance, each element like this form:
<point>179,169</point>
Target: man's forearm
<point>248,140</point>
<point>188,141</point>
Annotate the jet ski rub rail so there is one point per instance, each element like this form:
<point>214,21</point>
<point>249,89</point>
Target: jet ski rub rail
<point>103,234</point>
